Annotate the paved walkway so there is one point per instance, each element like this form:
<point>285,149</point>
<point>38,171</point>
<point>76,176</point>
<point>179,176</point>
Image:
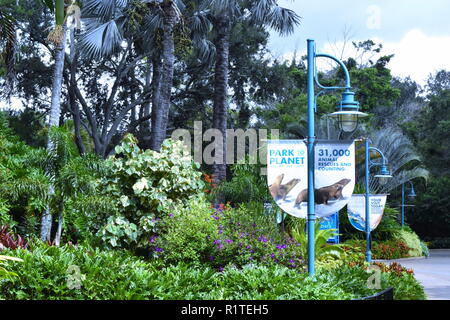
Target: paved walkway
<point>433,272</point>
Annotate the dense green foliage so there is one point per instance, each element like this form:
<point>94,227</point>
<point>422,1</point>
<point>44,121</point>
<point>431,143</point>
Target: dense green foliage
<point>46,271</point>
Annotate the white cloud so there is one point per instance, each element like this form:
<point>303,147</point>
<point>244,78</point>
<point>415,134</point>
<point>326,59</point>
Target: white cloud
<point>416,54</point>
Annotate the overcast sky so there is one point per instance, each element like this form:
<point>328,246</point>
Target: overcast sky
<point>416,31</point>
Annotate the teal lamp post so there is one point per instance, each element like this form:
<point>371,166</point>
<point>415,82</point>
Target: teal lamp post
<point>411,195</point>
<point>348,115</point>
<point>383,174</point>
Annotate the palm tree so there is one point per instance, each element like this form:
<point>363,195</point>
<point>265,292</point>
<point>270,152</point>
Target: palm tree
<point>224,15</point>
<point>404,160</point>
<point>160,112</point>
<point>58,37</point>
<point>108,22</point>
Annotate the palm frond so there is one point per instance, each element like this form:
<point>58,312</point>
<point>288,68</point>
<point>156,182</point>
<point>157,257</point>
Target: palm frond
<point>283,20</point>
<point>231,8</point>
<point>205,49</point>
<point>200,23</point>
<point>103,9</point>
<point>100,39</point>
<point>261,10</point>
<point>404,161</point>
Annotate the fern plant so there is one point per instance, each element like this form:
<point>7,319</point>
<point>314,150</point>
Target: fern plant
<point>247,184</point>
<point>322,249</point>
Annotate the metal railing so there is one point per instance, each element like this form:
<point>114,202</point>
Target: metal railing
<point>387,294</point>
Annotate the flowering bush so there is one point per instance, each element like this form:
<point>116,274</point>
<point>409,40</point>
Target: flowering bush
<point>223,236</point>
<point>241,241</point>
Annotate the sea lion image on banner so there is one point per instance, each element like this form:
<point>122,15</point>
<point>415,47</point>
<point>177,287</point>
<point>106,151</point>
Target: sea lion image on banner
<point>356,210</point>
<point>287,175</point>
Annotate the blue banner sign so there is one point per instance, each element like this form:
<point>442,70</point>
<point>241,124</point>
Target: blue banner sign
<point>331,222</point>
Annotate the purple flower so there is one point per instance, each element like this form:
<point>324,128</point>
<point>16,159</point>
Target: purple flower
<point>220,269</point>
<point>153,239</point>
<point>281,246</point>
<point>171,215</point>
<point>159,249</point>
<point>216,242</point>
<point>263,239</point>
<point>228,241</point>
<point>211,258</point>
<point>220,246</point>
<point>215,217</point>
<point>220,231</point>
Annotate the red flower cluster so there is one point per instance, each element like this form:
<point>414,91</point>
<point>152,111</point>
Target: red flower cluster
<point>394,267</point>
<point>209,180</point>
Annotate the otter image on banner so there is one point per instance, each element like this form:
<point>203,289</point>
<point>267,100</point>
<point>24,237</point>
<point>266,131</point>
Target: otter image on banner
<point>287,174</point>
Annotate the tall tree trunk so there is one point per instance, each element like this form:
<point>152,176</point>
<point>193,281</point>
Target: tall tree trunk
<point>55,113</point>
<point>58,234</point>
<point>146,108</point>
<point>222,43</point>
<point>160,114</point>
<point>156,97</point>
<point>72,98</point>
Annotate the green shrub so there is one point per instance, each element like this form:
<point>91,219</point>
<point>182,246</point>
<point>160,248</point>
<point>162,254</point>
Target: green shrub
<point>187,234</point>
<point>143,187</point>
<point>411,239</point>
<point>51,273</point>
<point>46,274</point>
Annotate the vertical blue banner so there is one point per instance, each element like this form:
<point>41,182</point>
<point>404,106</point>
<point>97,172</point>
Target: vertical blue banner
<point>331,222</point>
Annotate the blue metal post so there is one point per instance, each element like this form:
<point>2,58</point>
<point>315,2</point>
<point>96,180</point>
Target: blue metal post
<point>403,204</point>
<point>368,240</point>
<point>310,144</point>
